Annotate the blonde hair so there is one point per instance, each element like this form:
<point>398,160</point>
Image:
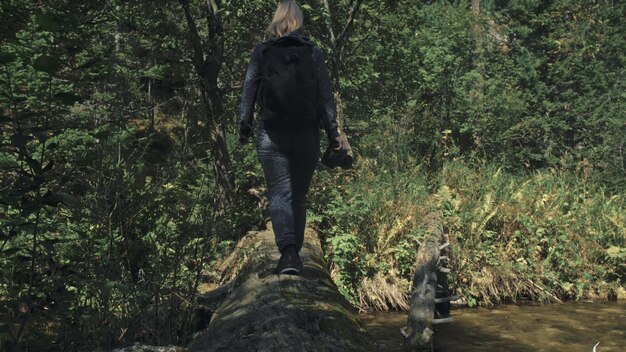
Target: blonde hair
<point>287,18</point>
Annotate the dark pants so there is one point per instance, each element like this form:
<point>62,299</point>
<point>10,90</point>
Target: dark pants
<point>289,157</point>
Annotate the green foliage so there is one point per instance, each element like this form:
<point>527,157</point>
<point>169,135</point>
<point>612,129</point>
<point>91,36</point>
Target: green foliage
<point>108,211</point>
<point>371,233</point>
<point>545,236</point>
<point>526,84</point>
<point>511,121</point>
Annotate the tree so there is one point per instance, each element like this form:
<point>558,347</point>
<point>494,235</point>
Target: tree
<point>207,60</point>
<point>337,44</point>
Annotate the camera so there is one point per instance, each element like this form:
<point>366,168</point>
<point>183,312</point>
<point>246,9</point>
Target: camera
<point>333,158</point>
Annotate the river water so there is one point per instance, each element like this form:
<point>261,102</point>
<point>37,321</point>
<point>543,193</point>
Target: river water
<point>570,326</point>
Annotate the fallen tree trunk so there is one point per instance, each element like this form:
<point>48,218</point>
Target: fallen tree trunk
<point>138,347</point>
<point>419,331</point>
<point>263,311</point>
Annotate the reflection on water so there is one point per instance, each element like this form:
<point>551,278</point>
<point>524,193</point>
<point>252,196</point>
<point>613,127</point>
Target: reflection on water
<point>571,326</point>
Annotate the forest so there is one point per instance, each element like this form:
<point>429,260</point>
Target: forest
<point>122,181</point>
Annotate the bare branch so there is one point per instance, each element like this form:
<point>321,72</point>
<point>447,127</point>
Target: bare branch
<point>215,28</point>
<point>442,321</point>
<point>447,299</point>
<point>195,41</point>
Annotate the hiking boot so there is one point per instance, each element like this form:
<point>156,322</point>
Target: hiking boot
<point>289,262</point>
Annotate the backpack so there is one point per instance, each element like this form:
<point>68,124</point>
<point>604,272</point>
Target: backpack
<point>288,86</point>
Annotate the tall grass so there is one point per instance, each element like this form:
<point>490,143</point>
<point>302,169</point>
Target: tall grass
<point>546,236</point>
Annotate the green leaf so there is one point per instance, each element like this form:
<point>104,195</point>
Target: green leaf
<point>47,63</point>
<point>46,22</point>
<point>67,98</point>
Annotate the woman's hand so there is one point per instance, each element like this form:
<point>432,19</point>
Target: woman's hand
<point>340,143</point>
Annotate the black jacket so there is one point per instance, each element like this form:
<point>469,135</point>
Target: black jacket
<point>326,106</point>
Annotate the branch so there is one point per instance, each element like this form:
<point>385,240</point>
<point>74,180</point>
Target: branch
<point>447,299</point>
<point>442,321</point>
<point>329,24</point>
<point>214,22</point>
<point>196,43</point>
<point>351,15</point>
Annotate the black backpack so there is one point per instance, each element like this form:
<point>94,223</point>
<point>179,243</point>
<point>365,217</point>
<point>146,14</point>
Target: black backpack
<point>288,86</point>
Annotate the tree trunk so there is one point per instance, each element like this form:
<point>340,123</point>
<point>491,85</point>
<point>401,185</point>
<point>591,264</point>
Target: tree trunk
<point>208,63</point>
<point>419,334</point>
<point>138,347</point>
<point>261,311</point>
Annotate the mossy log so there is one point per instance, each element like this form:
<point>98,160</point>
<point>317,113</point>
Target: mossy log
<point>138,347</point>
<point>419,331</point>
<point>262,311</point>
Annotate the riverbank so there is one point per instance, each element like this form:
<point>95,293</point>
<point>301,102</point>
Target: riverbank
<point>569,326</point>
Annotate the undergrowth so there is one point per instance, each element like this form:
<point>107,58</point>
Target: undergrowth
<point>546,236</point>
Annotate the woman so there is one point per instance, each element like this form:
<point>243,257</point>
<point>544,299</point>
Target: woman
<point>288,77</point>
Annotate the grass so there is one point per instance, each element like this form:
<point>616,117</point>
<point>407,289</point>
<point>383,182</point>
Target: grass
<point>547,236</point>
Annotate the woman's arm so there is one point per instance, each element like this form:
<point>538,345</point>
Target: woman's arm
<point>250,88</point>
<point>326,110</point>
